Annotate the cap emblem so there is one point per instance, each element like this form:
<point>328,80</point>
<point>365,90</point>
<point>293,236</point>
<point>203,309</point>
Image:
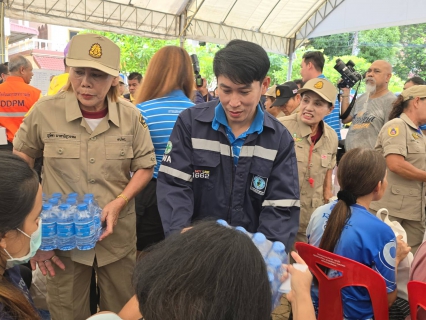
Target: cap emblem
<point>319,85</point>
<point>95,51</point>
<point>278,93</point>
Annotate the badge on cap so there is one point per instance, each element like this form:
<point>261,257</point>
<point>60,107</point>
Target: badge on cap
<point>393,132</point>
<point>95,51</point>
<point>319,85</point>
<point>278,93</point>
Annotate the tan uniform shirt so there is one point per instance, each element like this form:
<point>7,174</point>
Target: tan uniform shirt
<point>99,162</point>
<point>323,159</point>
<point>403,198</point>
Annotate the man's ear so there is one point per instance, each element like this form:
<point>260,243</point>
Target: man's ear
<point>265,84</point>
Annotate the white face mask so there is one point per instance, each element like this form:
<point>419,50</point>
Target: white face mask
<point>34,246</point>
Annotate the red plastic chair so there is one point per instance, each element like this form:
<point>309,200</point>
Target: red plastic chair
<point>353,274</point>
<point>416,297</point>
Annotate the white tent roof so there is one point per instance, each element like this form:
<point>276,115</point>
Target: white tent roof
<point>277,25</point>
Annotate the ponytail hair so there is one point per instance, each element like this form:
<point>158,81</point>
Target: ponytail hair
<point>359,172</point>
<point>18,190</point>
<point>398,107</point>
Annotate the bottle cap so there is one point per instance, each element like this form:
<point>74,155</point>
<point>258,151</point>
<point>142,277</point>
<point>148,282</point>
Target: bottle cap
<point>64,207</point>
<point>241,229</point>
<point>222,223</point>
<point>82,207</point>
<point>89,195</point>
<point>72,201</point>
<point>259,238</point>
<point>57,195</point>
<point>278,247</point>
<point>274,262</point>
<point>73,195</point>
<point>46,206</point>
<point>54,201</point>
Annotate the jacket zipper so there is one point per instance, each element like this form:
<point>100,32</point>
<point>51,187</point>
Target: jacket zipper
<point>232,186</point>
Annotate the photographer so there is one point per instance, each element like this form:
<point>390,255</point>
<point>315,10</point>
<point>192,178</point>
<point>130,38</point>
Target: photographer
<point>371,110</point>
<point>202,94</point>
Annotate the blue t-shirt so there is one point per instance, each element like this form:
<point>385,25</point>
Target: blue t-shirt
<point>237,142</point>
<point>365,239</point>
<point>160,115</point>
<point>333,119</point>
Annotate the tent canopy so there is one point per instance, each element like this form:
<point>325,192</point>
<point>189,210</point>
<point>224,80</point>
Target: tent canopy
<point>279,26</point>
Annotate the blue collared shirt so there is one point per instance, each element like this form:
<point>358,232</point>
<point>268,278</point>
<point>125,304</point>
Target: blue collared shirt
<point>237,142</point>
<point>333,119</point>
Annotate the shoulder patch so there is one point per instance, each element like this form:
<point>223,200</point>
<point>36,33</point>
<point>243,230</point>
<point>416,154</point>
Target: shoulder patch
<point>393,131</point>
<point>142,121</point>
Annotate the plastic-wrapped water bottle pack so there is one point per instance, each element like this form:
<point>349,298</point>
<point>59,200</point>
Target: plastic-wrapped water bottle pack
<point>70,221</point>
<point>274,255</point>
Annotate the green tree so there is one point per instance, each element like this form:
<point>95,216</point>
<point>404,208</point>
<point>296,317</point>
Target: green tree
<point>333,45</point>
<point>379,44</point>
<point>412,57</point>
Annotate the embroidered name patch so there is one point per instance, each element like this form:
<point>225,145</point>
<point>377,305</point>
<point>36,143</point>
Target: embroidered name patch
<point>258,184</point>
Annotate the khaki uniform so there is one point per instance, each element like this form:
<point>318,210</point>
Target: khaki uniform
<point>323,159</point>
<point>405,199</point>
<point>99,162</point>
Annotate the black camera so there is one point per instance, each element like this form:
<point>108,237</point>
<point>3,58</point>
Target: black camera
<point>196,67</point>
<point>349,76</point>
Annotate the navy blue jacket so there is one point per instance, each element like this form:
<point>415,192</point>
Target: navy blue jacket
<point>197,177</point>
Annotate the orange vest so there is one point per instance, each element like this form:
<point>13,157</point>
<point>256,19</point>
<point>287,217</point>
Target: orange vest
<point>16,99</point>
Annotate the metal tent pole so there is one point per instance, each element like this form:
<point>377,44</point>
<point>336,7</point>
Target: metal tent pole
<point>2,34</point>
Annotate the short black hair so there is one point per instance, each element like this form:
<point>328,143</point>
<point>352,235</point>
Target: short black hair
<point>135,75</point>
<point>416,80</point>
<point>317,59</point>
<point>299,82</point>
<point>241,62</point>
<point>3,68</point>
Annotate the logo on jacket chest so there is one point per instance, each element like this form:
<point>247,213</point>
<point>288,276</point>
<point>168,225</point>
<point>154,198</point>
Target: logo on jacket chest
<point>258,184</point>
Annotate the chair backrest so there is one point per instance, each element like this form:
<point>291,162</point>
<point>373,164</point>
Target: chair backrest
<point>353,274</point>
<point>416,297</point>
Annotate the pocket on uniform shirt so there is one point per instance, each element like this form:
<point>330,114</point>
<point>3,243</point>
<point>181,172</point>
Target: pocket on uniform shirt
<point>118,158</point>
<point>325,160</point>
<point>64,158</point>
<point>205,168</point>
<point>403,197</point>
<point>260,172</point>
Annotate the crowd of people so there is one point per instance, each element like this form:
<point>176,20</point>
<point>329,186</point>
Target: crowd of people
<point>164,157</point>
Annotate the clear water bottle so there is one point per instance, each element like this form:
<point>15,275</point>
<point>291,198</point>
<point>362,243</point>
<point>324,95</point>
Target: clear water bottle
<point>262,243</point>
<point>278,251</point>
<point>96,213</point>
<point>48,228</point>
<point>84,228</point>
<point>243,230</point>
<point>274,267</point>
<point>55,202</point>
<point>65,225</point>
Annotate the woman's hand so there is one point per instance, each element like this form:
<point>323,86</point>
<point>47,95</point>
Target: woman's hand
<point>402,249</point>
<point>110,215</point>
<point>45,261</point>
<point>300,280</point>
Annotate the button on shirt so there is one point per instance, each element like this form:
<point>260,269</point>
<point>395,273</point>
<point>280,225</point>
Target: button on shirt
<point>237,143</point>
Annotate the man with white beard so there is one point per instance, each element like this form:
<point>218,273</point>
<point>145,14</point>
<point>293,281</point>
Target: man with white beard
<point>371,110</point>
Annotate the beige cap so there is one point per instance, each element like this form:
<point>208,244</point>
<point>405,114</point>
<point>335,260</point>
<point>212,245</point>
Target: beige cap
<point>271,91</point>
<point>324,88</point>
<point>414,92</point>
<point>94,51</point>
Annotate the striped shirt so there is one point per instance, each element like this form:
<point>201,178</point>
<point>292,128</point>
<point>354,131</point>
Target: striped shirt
<point>333,119</point>
<point>237,142</point>
<point>160,115</point>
